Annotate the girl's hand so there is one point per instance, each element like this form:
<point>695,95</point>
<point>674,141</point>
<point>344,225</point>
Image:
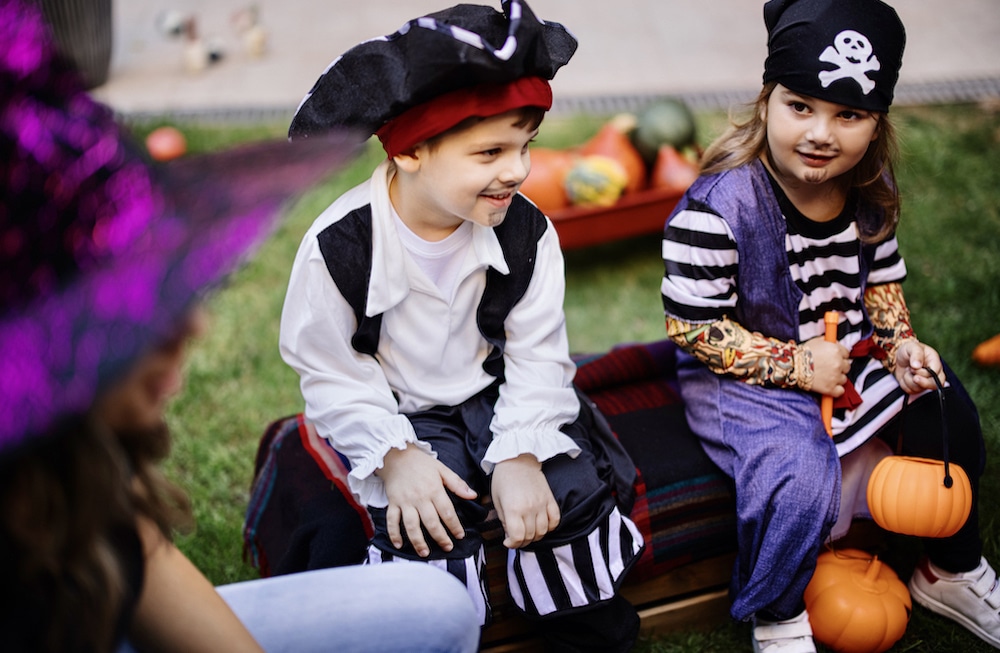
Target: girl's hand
<point>523,500</point>
<point>416,484</point>
<point>831,363</point>
<point>912,357</point>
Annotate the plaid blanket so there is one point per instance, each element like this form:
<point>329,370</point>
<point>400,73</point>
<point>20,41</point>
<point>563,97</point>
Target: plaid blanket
<point>685,506</point>
<point>302,516</point>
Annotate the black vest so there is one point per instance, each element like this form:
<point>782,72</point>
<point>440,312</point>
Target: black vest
<point>346,246</point>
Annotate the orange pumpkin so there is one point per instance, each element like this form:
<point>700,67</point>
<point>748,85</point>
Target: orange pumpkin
<point>908,495</point>
<point>612,142</point>
<point>987,352</point>
<point>672,170</point>
<point>855,603</point>
<point>545,183</point>
<point>166,143</point>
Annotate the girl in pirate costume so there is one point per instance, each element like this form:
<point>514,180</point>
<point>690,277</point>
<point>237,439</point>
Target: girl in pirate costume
<point>424,317</point>
<point>795,215</point>
<point>104,262</point>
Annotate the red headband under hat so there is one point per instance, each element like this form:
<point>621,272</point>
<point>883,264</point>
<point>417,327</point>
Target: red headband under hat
<point>436,116</point>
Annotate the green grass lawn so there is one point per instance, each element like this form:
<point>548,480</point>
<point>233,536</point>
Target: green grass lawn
<point>950,236</point>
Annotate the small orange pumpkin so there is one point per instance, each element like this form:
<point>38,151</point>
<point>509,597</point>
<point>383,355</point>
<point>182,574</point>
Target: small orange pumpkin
<point>987,352</point>
<point>856,604</point>
<point>672,170</point>
<point>545,183</point>
<point>612,142</point>
<point>166,143</point>
<point>909,495</point>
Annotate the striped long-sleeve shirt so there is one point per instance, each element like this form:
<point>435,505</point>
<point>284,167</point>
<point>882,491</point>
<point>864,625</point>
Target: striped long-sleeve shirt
<point>699,287</point>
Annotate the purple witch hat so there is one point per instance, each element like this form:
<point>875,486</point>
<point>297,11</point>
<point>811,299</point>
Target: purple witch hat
<point>102,253</point>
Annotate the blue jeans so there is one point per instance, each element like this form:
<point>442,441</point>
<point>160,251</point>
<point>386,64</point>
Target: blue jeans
<point>361,609</point>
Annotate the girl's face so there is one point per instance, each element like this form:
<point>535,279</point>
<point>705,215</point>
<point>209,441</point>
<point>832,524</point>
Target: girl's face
<point>138,401</point>
<point>472,174</point>
<point>812,142</point>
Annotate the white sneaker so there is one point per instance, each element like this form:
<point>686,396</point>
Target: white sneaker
<point>971,598</point>
<point>793,635</point>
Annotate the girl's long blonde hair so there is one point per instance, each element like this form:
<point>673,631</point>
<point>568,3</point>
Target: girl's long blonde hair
<point>873,178</point>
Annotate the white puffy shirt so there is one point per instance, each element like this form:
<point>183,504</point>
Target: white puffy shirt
<point>430,349</point>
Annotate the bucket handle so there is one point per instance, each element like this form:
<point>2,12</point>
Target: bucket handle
<point>948,482</point>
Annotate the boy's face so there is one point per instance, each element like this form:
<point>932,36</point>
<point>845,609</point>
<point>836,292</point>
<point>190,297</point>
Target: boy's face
<point>471,174</point>
<point>812,141</point>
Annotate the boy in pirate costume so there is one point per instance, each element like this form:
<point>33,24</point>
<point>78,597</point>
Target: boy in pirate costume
<point>106,265</point>
<point>424,317</point>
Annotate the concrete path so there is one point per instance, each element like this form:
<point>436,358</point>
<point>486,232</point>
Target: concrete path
<point>701,48</point>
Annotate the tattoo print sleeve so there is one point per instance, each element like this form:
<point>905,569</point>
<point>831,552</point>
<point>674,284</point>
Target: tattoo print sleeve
<point>890,317</point>
<point>726,347</point>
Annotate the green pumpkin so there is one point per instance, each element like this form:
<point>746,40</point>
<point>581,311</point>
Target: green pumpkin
<point>664,122</point>
<point>595,181</point>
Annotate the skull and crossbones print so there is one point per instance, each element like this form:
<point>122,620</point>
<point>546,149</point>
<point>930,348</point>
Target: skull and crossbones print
<point>852,53</point>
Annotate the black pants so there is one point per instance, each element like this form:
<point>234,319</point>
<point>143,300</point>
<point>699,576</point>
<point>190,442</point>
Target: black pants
<point>582,488</point>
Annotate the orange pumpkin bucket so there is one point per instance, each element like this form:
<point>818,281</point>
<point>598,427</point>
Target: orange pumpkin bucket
<point>920,496</point>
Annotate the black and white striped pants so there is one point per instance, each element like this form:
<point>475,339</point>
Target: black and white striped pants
<point>580,563</point>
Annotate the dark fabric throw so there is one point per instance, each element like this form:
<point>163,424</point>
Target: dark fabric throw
<point>302,516</point>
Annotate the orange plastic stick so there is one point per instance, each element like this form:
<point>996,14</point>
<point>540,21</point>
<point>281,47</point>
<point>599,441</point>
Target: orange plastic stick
<point>830,319</point>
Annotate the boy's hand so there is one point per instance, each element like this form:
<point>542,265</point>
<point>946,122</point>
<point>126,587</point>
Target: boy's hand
<point>415,484</point>
<point>523,500</point>
<point>912,357</point>
<point>831,363</point>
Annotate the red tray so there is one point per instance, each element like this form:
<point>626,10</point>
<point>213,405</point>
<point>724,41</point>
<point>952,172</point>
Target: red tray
<point>636,214</point>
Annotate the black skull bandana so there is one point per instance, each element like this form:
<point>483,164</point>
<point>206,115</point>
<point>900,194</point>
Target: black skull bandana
<point>843,51</point>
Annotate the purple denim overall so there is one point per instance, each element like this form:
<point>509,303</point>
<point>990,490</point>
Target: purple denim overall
<point>771,441</point>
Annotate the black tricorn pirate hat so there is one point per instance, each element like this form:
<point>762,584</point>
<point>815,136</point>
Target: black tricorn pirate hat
<point>456,48</point>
